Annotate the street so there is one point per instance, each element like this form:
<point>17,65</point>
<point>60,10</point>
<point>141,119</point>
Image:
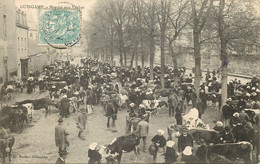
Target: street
<point>36,143</point>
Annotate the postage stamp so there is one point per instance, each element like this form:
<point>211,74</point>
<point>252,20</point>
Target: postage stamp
<point>59,27</point>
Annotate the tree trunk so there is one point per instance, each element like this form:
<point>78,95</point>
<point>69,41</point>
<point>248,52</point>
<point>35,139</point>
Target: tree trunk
<point>175,64</point>
<point>223,53</point>
<point>162,58</point>
<point>120,34</point>
<point>152,41</point>
<point>125,58</point>
<point>142,51</point>
<point>197,57</point>
<point>136,60</point>
<point>132,59</point>
<point>152,52</point>
<point>111,51</point>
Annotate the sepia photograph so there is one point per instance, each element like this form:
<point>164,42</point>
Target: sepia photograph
<point>129,81</point>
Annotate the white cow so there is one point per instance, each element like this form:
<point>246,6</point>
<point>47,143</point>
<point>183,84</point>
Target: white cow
<point>30,108</point>
<point>123,99</point>
<point>192,121</point>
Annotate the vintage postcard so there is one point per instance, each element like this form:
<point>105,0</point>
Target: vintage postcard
<point>129,81</point>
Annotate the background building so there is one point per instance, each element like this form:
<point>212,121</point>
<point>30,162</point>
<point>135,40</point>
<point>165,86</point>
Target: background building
<point>8,50</point>
<point>22,43</point>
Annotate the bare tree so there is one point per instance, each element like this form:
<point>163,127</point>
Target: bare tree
<point>235,23</point>
<point>200,13</point>
<point>179,19</point>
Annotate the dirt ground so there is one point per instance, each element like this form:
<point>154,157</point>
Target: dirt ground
<point>36,143</point>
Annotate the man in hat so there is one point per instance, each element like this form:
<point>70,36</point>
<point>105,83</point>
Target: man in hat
<point>179,112</point>
<point>241,104</point>
<point>219,127</point>
<point>172,101</point>
<point>61,137</point>
<point>235,120</point>
<point>159,141</point>
<point>117,87</point>
<point>143,129</point>
<point>111,114</point>
<point>185,139</point>
<point>201,107</point>
<point>81,122</point>
<point>64,106</point>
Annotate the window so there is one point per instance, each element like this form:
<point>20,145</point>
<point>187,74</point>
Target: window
<point>18,43</point>
<point>4,27</point>
<point>25,44</point>
<point>21,44</point>
<point>31,34</point>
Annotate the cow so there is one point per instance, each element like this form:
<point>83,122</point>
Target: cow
<point>154,105</point>
<point>107,156</point>
<point>209,136</point>
<point>13,116</point>
<point>6,144</point>
<point>125,143</point>
<point>39,104</point>
<point>29,108</point>
<point>231,151</point>
<point>253,115</point>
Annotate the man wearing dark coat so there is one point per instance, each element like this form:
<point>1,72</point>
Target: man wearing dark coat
<point>64,106</point>
<point>159,141</point>
<point>185,139</point>
<point>111,114</point>
<point>201,107</point>
<point>179,111</point>
<point>228,136</point>
<point>61,137</point>
<point>81,122</point>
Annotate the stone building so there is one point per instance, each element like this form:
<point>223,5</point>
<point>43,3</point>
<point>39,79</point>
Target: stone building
<point>22,43</point>
<point>8,47</point>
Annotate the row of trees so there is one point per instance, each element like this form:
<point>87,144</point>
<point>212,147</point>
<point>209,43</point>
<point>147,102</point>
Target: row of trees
<point>132,29</point>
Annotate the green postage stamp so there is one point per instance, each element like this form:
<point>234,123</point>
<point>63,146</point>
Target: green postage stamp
<point>59,27</point>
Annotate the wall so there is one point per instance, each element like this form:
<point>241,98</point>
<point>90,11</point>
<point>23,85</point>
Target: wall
<point>38,62</point>
<point>8,37</point>
<point>22,47</point>
<point>248,64</point>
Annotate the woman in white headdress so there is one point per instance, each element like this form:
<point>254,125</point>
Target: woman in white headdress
<point>93,154</point>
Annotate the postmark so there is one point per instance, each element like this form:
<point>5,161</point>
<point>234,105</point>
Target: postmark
<point>59,28</point>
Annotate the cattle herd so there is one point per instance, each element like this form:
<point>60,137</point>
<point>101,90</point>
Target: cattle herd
<point>94,82</point>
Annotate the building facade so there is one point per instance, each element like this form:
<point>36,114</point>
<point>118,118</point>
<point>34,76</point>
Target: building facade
<point>8,50</point>
<point>22,43</point>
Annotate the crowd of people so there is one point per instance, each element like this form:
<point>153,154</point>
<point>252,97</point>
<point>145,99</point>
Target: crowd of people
<point>116,88</point>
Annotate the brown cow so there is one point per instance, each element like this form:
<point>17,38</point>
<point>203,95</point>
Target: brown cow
<point>39,104</point>
<point>6,144</point>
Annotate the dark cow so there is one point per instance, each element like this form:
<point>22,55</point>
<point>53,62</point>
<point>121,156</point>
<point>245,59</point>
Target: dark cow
<point>235,152</point>
<point>253,115</point>
<point>244,132</point>
<point>209,136</point>
<point>125,143</point>
<point>39,104</point>
<point>14,116</point>
<point>6,144</point>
